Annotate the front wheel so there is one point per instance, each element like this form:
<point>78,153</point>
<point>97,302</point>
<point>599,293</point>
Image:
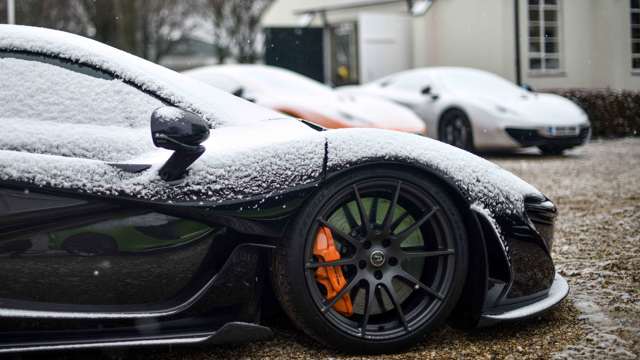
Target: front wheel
<point>455,129</point>
<point>373,262</point>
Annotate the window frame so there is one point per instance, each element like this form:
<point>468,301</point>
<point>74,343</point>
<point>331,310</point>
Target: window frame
<point>542,55</point>
<point>632,41</point>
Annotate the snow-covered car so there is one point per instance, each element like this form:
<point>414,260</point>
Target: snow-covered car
<point>141,207</point>
<point>298,96</point>
<point>477,110</point>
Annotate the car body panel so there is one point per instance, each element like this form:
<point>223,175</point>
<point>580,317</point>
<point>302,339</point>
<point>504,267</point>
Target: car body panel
<point>489,110</point>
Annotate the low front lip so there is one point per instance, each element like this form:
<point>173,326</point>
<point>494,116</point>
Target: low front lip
<point>532,136</point>
<point>557,292</point>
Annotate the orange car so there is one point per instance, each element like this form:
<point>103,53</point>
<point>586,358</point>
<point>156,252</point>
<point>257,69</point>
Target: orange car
<point>304,98</point>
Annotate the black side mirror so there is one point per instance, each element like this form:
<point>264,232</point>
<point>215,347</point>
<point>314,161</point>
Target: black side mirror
<point>239,92</point>
<point>528,87</point>
<point>426,90</point>
<point>181,131</point>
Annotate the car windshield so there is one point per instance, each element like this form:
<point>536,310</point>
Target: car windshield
<point>475,81</point>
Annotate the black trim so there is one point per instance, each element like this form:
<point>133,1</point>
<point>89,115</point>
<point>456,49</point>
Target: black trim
<point>531,137</point>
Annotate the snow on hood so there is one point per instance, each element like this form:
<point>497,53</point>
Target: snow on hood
<point>480,181</point>
<point>216,106</point>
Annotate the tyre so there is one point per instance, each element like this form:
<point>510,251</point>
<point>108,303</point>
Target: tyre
<point>552,150</point>
<point>455,129</point>
<point>373,262</point>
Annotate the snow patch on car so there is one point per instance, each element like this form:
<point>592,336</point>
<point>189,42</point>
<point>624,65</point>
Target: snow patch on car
<point>217,107</point>
<point>37,90</point>
<point>223,173</point>
<point>98,142</point>
<point>479,180</point>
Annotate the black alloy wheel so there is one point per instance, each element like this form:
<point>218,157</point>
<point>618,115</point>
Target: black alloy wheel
<point>402,250</point>
<point>455,129</point>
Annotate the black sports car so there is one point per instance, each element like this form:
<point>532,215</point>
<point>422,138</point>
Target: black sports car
<point>111,235</point>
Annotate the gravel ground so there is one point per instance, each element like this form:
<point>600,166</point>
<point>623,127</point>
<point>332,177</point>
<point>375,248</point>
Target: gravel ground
<point>597,189</point>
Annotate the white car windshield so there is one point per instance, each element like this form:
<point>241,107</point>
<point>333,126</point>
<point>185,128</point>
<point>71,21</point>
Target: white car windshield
<point>475,81</point>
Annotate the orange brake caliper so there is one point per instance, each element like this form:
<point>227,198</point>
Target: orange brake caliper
<point>331,277</point>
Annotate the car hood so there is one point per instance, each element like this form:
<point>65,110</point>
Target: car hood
<point>538,109</point>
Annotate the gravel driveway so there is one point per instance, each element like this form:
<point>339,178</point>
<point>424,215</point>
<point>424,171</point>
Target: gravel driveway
<point>597,248</point>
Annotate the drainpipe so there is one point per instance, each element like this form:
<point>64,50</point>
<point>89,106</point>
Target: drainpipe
<point>11,12</point>
<point>516,14</point>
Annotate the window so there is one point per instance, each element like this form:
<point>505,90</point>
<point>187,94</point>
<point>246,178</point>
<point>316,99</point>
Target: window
<point>544,35</point>
<point>344,54</point>
<point>49,89</point>
<point>635,35</point>
<point>55,107</point>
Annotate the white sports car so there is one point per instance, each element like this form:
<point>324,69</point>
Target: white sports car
<point>304,98</point>
<point>477,110</point>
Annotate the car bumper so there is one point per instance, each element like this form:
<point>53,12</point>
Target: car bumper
<point>557,292</point>
<point>535,137</point>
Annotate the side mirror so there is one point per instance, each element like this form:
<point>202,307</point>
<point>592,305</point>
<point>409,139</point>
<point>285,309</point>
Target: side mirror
<point>426,90</point>
<point>181,131</point>
<point>528,87</point>
<point>239,92</point>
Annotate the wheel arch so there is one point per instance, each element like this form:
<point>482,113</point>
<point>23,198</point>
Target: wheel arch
<point>467,312</point>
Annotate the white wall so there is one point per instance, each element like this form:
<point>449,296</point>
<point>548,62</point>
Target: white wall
<point>595,50</point>
<point>467,33</point>
<point>384,44</point>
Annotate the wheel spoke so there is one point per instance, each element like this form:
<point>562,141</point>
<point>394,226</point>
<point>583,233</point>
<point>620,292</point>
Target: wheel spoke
<point>340,294</point>
<point>339,233</point>
<point>394,300</point>
<point>415,282</point>
<point>341,262</point>
<point>363,216</point>
<point>398,221</point>
<point>423,254</point>
<point>349,216</point>
<point>405,233</point>
<point>370,297</point>
<point>373,213</point>
<point>386,226</point>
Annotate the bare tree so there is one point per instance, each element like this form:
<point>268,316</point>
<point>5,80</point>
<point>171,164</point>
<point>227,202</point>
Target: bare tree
<point>56,14</point>
<point>236,28</point>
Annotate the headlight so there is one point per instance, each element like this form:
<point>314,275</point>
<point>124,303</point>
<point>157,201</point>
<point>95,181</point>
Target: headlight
<point>543,215</point>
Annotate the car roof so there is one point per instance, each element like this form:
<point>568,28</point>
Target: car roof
<point>217,107</point>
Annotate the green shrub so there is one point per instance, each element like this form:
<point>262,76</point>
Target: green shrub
<point>613,113</point>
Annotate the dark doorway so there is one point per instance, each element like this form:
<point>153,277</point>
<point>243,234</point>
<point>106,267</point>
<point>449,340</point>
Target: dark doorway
<point>296,49</point>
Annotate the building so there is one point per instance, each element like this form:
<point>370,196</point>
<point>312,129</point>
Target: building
<point>561,43</point>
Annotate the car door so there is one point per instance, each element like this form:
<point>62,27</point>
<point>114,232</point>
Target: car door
<point>69,246</point>
<point>416,91</point>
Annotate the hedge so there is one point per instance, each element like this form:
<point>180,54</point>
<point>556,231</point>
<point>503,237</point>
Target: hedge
<point>613,113</point>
